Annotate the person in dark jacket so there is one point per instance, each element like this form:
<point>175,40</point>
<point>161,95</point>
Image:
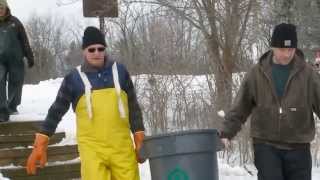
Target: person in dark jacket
<point>281,93</point>
<point>103,97</point>
<point>14,46</point>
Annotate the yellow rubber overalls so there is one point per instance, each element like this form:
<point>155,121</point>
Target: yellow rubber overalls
<point>104,141</point>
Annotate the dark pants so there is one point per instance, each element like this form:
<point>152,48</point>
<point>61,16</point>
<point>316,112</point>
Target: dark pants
<point>13,73</point>
<point>279,164</point>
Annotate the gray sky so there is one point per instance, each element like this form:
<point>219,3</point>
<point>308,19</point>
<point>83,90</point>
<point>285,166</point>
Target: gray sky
<point>24,8</point>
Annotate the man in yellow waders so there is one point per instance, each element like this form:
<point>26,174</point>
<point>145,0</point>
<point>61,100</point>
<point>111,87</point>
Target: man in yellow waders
<point>103,97</point>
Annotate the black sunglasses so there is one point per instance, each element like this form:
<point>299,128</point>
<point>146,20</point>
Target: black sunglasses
<point>100,49</point>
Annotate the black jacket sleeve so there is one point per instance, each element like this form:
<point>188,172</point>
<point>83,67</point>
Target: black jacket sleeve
<point>58,108</point>
<point>135,114</point>
<point>24,41</point>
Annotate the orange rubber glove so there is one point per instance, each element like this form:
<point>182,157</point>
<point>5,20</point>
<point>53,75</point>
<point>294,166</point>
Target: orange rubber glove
<point>138,141</point>
<point>39,153</point>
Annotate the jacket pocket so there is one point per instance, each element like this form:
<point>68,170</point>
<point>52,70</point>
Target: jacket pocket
<point>264,122</point>
<point>298,120</point>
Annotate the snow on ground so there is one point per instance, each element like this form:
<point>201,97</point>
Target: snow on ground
<point>37,99</point>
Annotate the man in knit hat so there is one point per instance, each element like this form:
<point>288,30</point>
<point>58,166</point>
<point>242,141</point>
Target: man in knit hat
<point>281,93</point>
<point>104,100</point>
<point>14,46</point>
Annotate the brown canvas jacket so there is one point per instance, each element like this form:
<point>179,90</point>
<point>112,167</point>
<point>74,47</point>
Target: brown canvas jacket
<point>288,119</point>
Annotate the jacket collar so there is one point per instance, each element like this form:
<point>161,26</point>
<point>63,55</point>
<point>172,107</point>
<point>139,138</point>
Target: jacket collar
<point>298,61</point>
<point>86,67</point>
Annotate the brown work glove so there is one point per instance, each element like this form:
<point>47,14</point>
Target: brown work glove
<point>39,153</point>
<point>138,141</point>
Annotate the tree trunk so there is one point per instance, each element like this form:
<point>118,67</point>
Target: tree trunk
<point>223,67</point>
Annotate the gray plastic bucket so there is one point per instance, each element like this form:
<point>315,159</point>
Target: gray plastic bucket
<point>186,155</point>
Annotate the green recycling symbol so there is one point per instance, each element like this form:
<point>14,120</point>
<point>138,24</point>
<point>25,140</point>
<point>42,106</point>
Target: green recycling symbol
<point>178,174</point>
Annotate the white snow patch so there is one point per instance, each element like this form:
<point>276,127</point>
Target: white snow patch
<point>221,113</point>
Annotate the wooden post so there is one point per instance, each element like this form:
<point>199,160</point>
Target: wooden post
<point>102,25</point>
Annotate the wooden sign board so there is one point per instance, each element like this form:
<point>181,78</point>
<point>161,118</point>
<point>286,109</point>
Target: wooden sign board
<point>100,8</point>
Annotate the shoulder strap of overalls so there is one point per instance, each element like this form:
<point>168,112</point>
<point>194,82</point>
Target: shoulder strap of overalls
<point>87,89</point>
<point>115,75</point>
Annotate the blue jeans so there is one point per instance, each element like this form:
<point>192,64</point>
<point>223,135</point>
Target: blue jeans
<point>278,164</point>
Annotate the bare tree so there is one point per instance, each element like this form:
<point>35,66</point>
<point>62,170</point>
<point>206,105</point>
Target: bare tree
<point>49,42</point>
<point>223,25</point>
